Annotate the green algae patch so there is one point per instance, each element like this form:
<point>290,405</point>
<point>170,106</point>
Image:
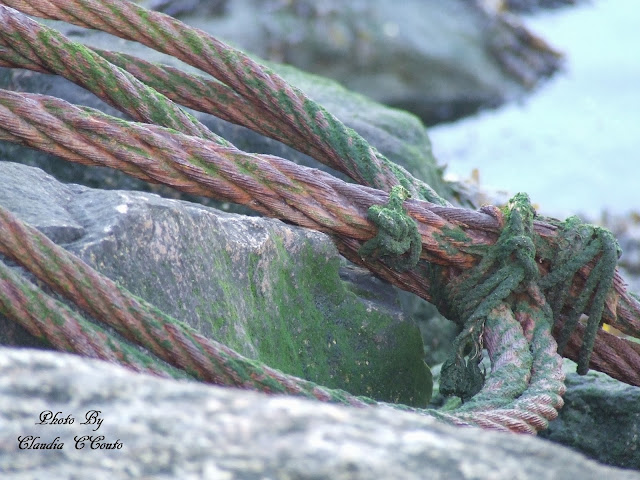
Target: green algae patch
<point>308,323</point>
<point>269,291</point>
<point>289,308</point>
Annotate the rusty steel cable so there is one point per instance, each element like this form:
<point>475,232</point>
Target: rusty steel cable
<point>45,50</point>
<point>342,148</point>
<point>334,138</point>
<point>612,355</point>
<point>193,91</point>
<point>525,389</point>
<point>265,183</point>
<point>630,307</point>
<point>169,162</point>
<point>130,316</point>
<point>48,319</point>
<point>245,111</point>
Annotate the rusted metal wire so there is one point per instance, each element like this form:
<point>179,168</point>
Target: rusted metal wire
<point>612,355</point>
<point>341,147</point>
<point>245,111</point>
<point>169,158</point>
<point>268,184</point>
<point>130,316</point>
<point>45,50</point>
<point>524,391</point>
<point>52,321</point>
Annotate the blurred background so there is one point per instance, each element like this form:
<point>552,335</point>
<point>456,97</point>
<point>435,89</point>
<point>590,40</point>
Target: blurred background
<point>573,143</point>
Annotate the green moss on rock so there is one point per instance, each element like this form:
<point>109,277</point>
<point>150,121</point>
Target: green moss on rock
<point>318,329</point>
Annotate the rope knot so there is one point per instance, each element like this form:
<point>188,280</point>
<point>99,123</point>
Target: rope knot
<point>397,233</point>
<point>506,267</point>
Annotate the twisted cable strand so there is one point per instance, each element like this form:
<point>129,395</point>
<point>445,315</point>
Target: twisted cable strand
<point>511,361</point>
<point>135,319</point>
<point>166,338</point>
<point>343,148</point>
<point>25,43</point>
<point>211,96</point>
<point>130,21</point>
<point>612,355</point>
<point>50,320</point>
<point>547,376</point>
<point>265,183</point>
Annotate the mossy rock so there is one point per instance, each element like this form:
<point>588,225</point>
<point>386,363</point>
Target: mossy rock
<point>271,291</point>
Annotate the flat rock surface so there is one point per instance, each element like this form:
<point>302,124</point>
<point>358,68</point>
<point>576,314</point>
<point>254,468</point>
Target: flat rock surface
<point>170,429</point>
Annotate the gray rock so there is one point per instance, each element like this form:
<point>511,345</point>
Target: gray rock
<point>270,291</point>
<point>440,60</point>
<point>169,429</point>
<point>438,333</point>
<point>600,418</point>
<point>533,5</point>
<point>178,8</point>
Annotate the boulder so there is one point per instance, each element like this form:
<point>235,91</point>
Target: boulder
<point>439,60</point>
<point>130,426</point>
<point>600,418</point>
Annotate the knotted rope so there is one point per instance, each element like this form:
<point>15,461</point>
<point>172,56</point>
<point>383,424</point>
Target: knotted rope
<point>397,233</point>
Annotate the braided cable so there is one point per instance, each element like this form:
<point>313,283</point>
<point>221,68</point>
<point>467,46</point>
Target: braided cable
<point>130,21</point>
<point>286,191</point>
<point>343,148</point>
<point>166,156</point>
<point>133,318</point>
<point>50,320</point>
<point>265,183</point>
<point>45,49</point>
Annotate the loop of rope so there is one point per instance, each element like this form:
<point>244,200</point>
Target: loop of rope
<point>526,370</point>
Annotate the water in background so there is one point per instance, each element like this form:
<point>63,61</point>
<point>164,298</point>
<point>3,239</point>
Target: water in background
<point>573,145</point>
